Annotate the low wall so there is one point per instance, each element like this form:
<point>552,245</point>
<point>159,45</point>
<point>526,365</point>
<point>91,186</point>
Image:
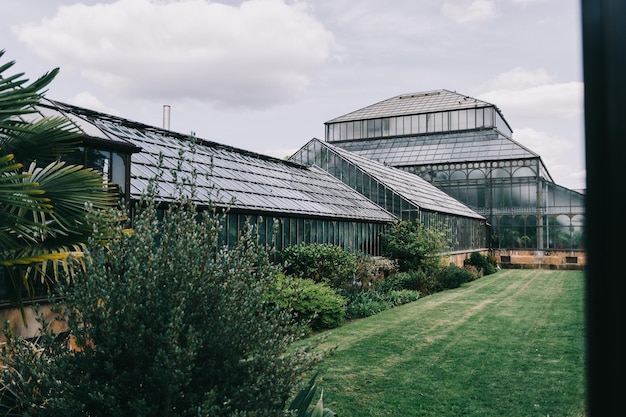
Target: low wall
<point>28,327</point>
<point>540,259</point>
<point>527,259</point>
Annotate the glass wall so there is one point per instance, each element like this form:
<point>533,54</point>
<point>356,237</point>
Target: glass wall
<point>113,165</point>
<point>445,121</point>
<point>281,232</point>
<point>466,233</point>
<point>525,210</point>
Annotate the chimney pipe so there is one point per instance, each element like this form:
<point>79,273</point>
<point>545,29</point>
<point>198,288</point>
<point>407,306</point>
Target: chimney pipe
<point>166,117</point>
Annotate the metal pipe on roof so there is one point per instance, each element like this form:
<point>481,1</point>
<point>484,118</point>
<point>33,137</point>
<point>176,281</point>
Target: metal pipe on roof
<point>166,117</point>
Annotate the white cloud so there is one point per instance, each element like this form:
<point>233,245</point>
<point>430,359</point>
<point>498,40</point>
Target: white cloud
<point>463,11</point>
<point>533,94</point>
<point>518,78</point>
<point>257,54</point>
<point>561,155</point>
<point>563,100</point>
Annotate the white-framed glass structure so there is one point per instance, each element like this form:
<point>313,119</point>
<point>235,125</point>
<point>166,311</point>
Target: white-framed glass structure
<point>307,204</point>
<point>405,195</point>
<point>464,147</point>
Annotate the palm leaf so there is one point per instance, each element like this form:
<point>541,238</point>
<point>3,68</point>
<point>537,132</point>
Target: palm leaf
<point>46,210</point>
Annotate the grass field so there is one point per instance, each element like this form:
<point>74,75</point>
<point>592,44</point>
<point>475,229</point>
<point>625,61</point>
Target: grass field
<point>509,344</point>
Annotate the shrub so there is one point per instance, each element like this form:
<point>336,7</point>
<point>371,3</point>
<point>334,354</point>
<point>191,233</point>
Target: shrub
<point>321,263</point>
<point>365,304</point>
<point>369,303</point>
<point>371,270</point>
<point>415,246</point>
<point>317,304</point>
<point>452,277</point>
<point>421,281</point>
<point>165,321</point>
<point>483,263</point>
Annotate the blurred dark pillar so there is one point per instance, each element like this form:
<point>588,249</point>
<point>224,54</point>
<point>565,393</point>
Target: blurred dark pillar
<point>604,68</point>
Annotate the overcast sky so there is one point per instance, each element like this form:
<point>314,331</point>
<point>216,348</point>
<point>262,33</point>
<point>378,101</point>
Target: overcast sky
<point>264,75</point>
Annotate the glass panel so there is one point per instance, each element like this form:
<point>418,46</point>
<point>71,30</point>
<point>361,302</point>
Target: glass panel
<point>524,172</point>
<point>371,128</point>
<point>454,120</point>
<point>358,134</point>
<point>385,126</point>
<point>457,175</point>
<point>429,123</point>
<point>407,125</point>
<point>471,118</point>
<point>499,173</point>
<point>489,116</point>
<point>463,119</point>
<point>479,118</point>
<point>438,122</point>
<point>342,131</point>
<point>99,160</point>
<point>476,174</point>
<point>118,171</point>
<point>392,126</point>
<point>399,125</point>
<point>414,124</point>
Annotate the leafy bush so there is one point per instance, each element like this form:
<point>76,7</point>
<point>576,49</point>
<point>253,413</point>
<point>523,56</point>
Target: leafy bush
<point>419,280</point>
<point>371,270</point>
<point>452,277</point>
<point>484,264</point>
<point>317,304</point>
<point>369,303</point>
<point>415,246</point>
<point>321,263</point>
<point>164,321</point>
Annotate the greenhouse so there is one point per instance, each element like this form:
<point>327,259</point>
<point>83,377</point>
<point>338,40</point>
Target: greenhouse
<point>405,195</point>
<point>464,147</point>
<point>288,203</point>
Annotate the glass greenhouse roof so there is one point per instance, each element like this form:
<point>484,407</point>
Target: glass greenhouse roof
<point>409,186</point>
<point>415,103</point>
<point>440,148</point>
<point>222,174</point>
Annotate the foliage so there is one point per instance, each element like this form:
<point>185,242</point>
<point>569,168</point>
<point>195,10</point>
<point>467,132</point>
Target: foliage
<point>317,304</point>
<point>300,405</point>
<point>453,276</point>
<point>369,303</point>
<point>414,245</point>
<point>484,264</point>
<point>42,199</point>
<point>371,270</point>
<point>419,280</point>
<point>321,263</point>
<point>165,322</point>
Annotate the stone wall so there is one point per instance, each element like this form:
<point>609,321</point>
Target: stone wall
<point>541,259</point>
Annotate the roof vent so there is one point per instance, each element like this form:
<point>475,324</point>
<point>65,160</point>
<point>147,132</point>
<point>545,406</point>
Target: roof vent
<point>432,93</point>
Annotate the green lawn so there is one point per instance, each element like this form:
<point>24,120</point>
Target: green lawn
<point>509,344</point>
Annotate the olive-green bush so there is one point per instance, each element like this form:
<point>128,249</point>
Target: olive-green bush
<point>414,245</point>
<point>317,304</point>
<point>417,280</point>
<point>368,303</point>
<point>453,276</point>
<point>164,322</point>
<point>484,264</point>
<point>321,263</point>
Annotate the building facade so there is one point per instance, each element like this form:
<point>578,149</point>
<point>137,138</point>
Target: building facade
<point>465,147</point>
